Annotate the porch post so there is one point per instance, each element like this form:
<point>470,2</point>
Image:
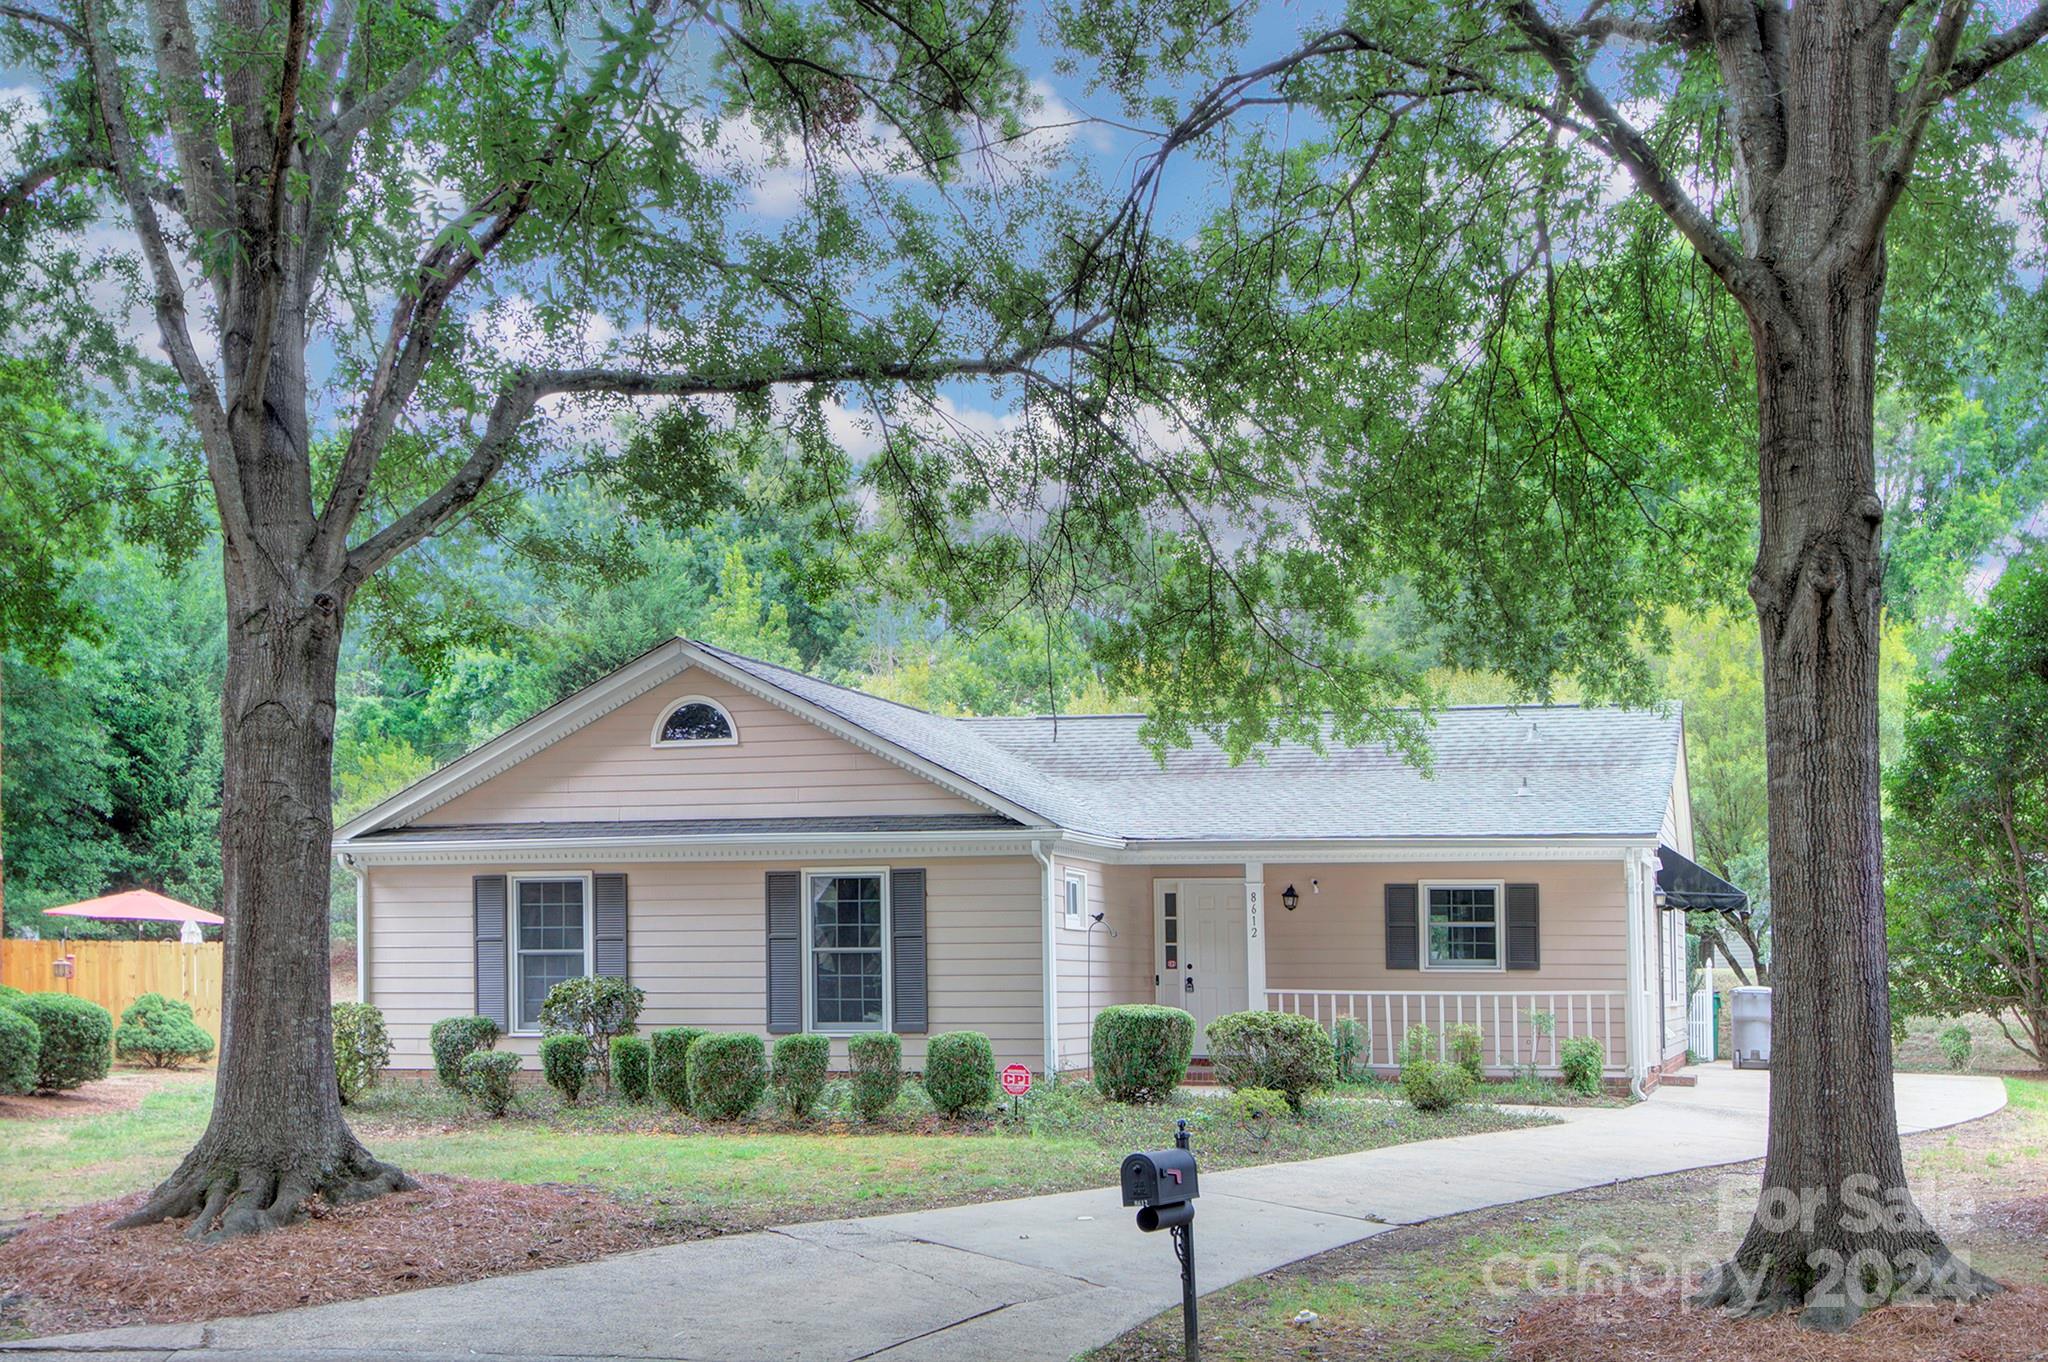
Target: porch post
<point>1255,935</point>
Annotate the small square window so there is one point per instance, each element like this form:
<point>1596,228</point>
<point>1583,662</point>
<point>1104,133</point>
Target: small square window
<point>1077,899</point>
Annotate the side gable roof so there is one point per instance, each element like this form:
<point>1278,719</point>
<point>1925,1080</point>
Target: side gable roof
<point>1498,772</point>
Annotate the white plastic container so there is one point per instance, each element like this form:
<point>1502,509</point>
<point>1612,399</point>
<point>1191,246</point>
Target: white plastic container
<point>1750,1028</point>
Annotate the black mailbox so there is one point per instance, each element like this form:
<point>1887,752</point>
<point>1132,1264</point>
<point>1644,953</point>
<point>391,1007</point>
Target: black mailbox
<point>1159,1177</point>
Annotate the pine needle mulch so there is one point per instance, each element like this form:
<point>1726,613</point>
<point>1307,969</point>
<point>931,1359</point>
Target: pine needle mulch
<point>75,1271</point>
<point>2011,1326</point>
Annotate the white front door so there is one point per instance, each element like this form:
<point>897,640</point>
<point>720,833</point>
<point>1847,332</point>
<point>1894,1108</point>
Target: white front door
<point>1202,949</point>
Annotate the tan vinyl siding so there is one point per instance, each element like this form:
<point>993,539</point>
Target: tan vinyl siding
<point>781,766</point>
<point>696,943</point>
<point>1120,967</point>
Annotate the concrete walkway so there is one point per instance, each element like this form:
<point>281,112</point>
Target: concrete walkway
<point>1040,1278</point>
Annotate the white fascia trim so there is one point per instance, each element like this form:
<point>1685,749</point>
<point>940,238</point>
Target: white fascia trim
<point>518,743</point>
<point>1362,851</point>
<point>739,847</point>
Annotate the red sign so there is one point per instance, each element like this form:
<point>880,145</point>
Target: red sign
<point>1016,1080</point>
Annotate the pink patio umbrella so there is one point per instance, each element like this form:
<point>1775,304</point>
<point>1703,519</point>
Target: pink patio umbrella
<point>140,905</point>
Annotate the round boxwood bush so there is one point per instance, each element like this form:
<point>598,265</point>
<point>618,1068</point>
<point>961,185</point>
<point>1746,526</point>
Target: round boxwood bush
<point>1433,1085</point>
<point>1580,1061</point>
<point>1275,1050</point>
<point>1255,1106</point>
<point>1141,1051</point>
<point>454,1039</point>
<point>487,1078</point>
<point>77,1039</point>
<point>21,1046</point>
<point>668,1068</point>
<point>728,1074</point>
<point>801,1063</point>
<point>565,1064</point>
<point>960,1072</point>
<point>362,1047</point>
<point>876,1058</point>
<point>629,1067</point>
<point>161,1032</point>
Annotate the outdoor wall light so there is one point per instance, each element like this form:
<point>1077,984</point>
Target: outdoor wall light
<point>1289,899</point>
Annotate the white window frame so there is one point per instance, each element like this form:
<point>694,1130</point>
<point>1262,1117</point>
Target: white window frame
<point>668,711</point>
<point>811,1022</point>
<point>1074,907</point>
<point>1500,925</point>
<point>512,953</point>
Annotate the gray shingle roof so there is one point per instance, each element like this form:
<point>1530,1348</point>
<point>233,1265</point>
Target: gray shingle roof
<point>1534,771</point>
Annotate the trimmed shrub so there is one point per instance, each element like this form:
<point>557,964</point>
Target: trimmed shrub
<point>960,1072</point>
<point>1956,1046</point>
<point>1432,1085</point>
<point>362,1048</point>
<point>21,1046</point>
<point>565,1064</point>
<point>487,1078</point>
<point>1466,1049</point>
<point>454,1039</point>
<point>1351,1042</point>
<point>596,1009</point>
<point>728,1074</point>
<point>1141,1051</point>
<point>629,1066</point>
<point>668,1069</point>
<point>1256,1104</point>
<point>1579,1061</point>
<point>8,993</point>
<point>77,1039</point>
<point>1275,1050</point>
<point>876,1058</point>
<point>160,1032</point>
<point>801,1063</point>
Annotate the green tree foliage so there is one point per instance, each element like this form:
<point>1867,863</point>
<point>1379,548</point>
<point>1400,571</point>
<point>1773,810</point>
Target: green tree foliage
<point>1967,841</point>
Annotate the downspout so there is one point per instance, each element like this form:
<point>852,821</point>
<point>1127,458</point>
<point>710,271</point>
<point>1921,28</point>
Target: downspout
<point>348,863</point>
<point>1633,899</point>
<point>1050,958</point>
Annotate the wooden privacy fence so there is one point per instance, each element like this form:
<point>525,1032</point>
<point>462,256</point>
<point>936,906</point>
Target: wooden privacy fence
<point>116,973</point>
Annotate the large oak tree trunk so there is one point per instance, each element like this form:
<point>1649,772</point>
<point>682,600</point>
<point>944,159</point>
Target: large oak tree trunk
<point>1836,1230</point>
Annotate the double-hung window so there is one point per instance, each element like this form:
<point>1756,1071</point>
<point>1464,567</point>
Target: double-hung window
<point>849,958</point>
<point>1463,927</point>
<point>551,942</point>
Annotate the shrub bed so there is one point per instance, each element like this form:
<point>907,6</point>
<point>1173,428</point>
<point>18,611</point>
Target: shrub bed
<point>630,1056</point>
<point>565,1064</point>
<point>487,1077</point>
<point>161,1032</point>
<point>77,1039</point>
<point>362,1047</point>
<point>960,1072</point>
<point>1275,1050</point>
<point>801,1064</point>
<point>1141,1051</point>
<point>728,1074</point>
<point>668,1069</point>
<point>876,1059</point>
<point>455,1039</point>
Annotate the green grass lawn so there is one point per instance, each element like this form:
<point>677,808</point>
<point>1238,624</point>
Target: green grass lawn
<point>1451,1289</point>
<point>727,1177</point>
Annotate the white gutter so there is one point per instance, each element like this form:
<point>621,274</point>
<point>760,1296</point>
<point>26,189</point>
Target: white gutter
<point>348,863</point>
<point>1051,964</point>
<point>1638,1070</point>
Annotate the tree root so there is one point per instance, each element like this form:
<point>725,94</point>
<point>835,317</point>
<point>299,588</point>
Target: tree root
<point>226,1197</point>
<point>1832,1290</point>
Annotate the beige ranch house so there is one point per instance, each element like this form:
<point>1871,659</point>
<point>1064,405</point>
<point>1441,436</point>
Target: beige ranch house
<point>763,851</point>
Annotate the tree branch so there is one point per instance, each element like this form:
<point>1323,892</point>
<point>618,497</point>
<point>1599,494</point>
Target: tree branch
<point>208,187</point>
<point>344,127</point>
<point>1973,65</point>
<point>518,399</point>
<point>1930,89</point>
<point>1628,145</point>
<point>62,26</point>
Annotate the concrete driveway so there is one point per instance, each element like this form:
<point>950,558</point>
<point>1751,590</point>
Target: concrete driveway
<point>1039,1278</point>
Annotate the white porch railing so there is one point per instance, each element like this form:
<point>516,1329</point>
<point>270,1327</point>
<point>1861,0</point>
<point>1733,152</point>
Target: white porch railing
<point>1517,1030</point>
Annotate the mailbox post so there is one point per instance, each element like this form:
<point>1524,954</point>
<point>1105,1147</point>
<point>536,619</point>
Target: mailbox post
<point>1162,1184</point>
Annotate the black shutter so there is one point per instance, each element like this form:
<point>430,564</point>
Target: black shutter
<point>608,913</point>
<point>492,977</point>
<point>909,1004</point>
<point>785,952</point>
<point>1525,932</point>
<point>1403,938</point>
